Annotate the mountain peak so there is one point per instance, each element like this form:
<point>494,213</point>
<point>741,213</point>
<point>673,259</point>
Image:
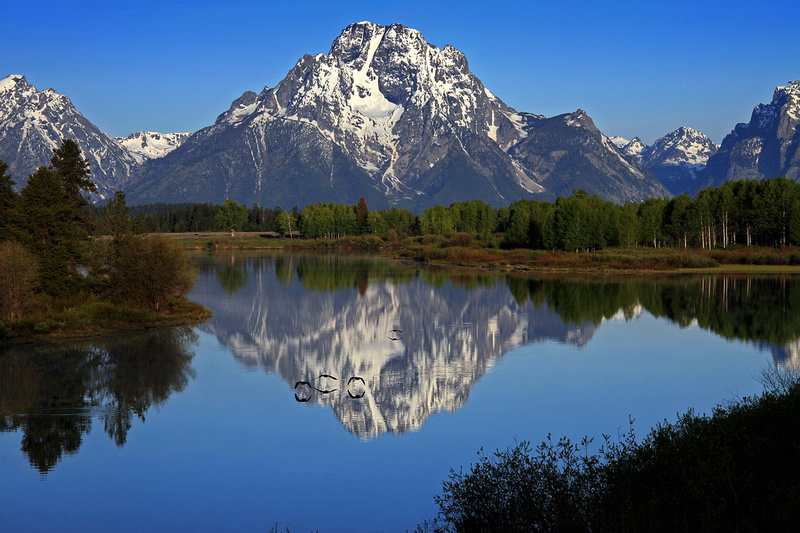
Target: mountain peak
<point>766,147</point>
<point>391,117</point>
<point>11,81</point>
<point>792,88</point>
<point>635,148</point>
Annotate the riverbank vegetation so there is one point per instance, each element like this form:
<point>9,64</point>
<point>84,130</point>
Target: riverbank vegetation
<point>734,470</point>
<point>753,223</point>
<point>57,280</point>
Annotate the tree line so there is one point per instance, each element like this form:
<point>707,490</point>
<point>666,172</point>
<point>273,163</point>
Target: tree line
<point>749,213</point>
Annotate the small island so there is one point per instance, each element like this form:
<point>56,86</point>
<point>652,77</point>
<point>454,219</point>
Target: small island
<point>58,281</point>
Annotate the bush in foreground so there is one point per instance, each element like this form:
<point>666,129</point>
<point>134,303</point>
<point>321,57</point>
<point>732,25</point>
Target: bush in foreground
<point>737,470</point>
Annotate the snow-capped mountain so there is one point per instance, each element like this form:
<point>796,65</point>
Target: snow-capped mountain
<point>390,117</point>
<point>677,158</point>
<point>618,141</point>
<point>635,149</point>
<point>146,145</point>
<point>765,147</point>
<point>33,123</point>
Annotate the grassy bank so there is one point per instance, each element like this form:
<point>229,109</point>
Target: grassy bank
<point>83,316</point>
<point>469,251</point>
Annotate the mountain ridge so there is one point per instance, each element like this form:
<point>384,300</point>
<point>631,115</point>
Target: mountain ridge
<point>388,116</point>
<point>33,123</point>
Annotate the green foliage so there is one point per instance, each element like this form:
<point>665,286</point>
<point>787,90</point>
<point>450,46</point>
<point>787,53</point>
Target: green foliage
<point>736,470</point>
<point>150,271</point>
<point>115,219</point>
<point>231,216</point>
<point>18,272</point>
<point>7,198</point>
<point>53,228</point>
<point>73,170</point>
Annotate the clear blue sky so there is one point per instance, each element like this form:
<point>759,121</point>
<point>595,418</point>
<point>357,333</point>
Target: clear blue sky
<point>637,68</point>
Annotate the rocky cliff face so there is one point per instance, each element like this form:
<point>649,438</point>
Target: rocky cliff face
<point>391,117</point>
<point>765,147</point>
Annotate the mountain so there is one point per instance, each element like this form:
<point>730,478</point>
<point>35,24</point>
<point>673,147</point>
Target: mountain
<point>677,158</point>
<point>765,147</point>
<point>33,123</point>
<point>568,152</point>
<point>146,145</point>
<point>390,117</point>
<point>619,142</point>
<point>635,149</point>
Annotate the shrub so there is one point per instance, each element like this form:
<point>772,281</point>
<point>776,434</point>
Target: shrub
<point>433,240</point>
<point>150,271</point>
<point>691,261</point>
<point>460,240</point>
<point>18,271</point>
<point>736,470</point>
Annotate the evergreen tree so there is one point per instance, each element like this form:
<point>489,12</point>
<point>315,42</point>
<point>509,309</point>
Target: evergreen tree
<point>7,198</point>
<point>73,169</point>
<point>45,222</point>
<point>361,216</point>
<point>53,219</point>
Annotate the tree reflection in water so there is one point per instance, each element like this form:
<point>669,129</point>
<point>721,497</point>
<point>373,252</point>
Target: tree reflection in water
<point>418,338</point>
<point>52,393</point>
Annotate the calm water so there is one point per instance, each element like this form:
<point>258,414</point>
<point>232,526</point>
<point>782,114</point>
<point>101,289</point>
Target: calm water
<point>335,394</point>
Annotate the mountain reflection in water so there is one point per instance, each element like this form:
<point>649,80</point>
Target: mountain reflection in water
<point>387,344</point>
<point>52,393</point>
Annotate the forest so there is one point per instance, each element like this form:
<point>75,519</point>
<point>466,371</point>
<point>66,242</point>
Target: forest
<point>748,213</point>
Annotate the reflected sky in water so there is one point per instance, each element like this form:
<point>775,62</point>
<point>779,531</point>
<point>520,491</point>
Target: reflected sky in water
<point>446,363</point>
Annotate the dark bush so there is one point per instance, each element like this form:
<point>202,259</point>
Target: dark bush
<point>737,470</point>
<point>150,271</point>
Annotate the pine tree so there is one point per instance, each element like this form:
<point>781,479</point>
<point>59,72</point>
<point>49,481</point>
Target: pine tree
<point>73,170</point>
<point>361,216</point>
<point>7,198</point>
<point>52,218</point>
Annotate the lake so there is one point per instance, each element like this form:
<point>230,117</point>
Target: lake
<point>335,393</point>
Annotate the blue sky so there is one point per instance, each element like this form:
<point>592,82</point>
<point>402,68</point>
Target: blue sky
<point>637,68</point>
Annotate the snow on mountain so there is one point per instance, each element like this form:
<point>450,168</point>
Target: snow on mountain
<point>635,149</point>
<point>388,116</point>
<point>33,123</point>
<point>678,158</point>
<point>145,145</point>
<point>619,142</point>
<point>766,147</point>
<point>683,146</point>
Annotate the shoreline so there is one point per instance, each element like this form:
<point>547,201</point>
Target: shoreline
<point>639,260</point>
<point>56,330</point>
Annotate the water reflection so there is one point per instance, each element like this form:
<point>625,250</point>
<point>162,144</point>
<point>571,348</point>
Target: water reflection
<point>413,341</point>
<point>52,394</point>
<point>384,344</point>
